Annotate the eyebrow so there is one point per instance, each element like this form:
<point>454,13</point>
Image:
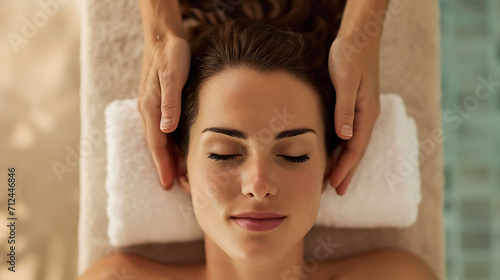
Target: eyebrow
<point>239,134</point>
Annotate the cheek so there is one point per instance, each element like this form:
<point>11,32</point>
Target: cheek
<point>306,180</point>
<point>305,192</point>
<point>200,193</point>
<point>210,186</point>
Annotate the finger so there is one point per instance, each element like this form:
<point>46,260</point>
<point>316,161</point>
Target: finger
<point>367,111</point>
<point>173,74</point>
<point>355,147</point>
<point>346,92</point>
<point>342,188</point>
<point>155,138</point>
<point>171,91</point>
<point>158,146</point>
<point>345,163</point>
<point>144,101</point>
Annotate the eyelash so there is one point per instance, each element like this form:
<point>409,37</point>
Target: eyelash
<point>299,159</point>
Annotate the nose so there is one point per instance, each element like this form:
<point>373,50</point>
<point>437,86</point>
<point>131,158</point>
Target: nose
<point>256,179</point>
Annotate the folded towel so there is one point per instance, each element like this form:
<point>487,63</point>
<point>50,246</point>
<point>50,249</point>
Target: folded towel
<point>384,192</point>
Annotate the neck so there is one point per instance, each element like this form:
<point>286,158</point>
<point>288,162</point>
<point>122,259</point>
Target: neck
<point>221,266</point>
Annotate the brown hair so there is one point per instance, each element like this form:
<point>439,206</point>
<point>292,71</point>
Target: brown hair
<point>261,47</point>
<point>318,20</point>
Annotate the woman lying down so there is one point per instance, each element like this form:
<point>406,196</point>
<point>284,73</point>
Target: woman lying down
<point>246,81</point>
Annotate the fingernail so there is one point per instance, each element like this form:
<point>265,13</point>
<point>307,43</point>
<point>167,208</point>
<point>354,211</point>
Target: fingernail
<point>166,123</point>
<point>346,130</point>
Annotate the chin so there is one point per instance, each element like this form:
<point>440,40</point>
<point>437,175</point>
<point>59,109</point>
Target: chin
<point>258,251</point>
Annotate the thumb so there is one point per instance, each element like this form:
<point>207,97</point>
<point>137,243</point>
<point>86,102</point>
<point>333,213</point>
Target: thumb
<point>344,114</point>
<point>170,104</point>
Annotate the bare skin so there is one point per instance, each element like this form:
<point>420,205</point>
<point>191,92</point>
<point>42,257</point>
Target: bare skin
<point>383,264</point>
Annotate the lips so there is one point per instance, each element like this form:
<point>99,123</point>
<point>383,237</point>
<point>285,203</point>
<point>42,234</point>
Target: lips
<point>258,215</point>
<point>258,221</point>
<point>253,224</point>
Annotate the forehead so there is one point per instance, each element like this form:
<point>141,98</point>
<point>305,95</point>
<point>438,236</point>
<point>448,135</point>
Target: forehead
<point>251,100</point>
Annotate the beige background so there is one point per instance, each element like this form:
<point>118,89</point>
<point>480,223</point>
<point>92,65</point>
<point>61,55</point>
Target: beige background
<point>39,125</point>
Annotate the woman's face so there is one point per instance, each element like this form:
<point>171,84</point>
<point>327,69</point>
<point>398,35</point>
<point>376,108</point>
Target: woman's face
<point>260,176</point>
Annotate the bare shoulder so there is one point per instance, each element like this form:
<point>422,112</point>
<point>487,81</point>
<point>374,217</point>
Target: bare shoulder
<point>384,264</point>
<point>128,266</point>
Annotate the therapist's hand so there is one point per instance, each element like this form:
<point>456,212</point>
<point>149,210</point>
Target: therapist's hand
<point>355,75</point>
<point>165,70</point>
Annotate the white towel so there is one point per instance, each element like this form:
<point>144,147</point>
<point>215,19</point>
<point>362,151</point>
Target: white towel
<point>384,192</point>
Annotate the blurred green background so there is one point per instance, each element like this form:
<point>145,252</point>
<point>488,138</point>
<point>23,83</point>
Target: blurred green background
<point>470,56</point>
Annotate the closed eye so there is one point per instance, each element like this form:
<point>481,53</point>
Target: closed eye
<point>299,159</point>
<point>217,157</point>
